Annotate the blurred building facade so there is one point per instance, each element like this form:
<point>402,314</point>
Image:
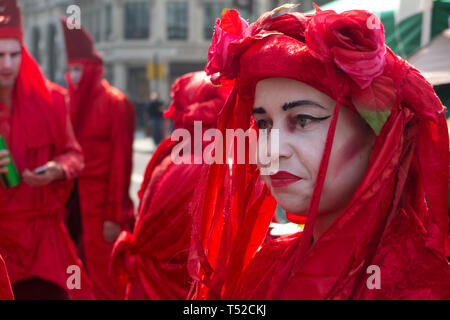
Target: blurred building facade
<point>146,44</point>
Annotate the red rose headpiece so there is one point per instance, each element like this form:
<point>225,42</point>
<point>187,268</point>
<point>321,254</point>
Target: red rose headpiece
<point>353,41</point>
<point>326,46</point>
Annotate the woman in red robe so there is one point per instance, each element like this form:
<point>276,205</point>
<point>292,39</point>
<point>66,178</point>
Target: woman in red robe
<point>39,255</point>
<point>363,153</point>
<point>104,122</point>
<point>151,262</point>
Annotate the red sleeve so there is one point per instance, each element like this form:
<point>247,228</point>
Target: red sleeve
<point>123,125</point>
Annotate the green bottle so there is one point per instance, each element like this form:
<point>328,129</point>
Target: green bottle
<point>11,178</point>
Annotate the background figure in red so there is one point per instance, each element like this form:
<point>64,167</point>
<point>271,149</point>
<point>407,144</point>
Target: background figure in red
<point>151,262</point>
<point>104,123</point>
<point>34,242</point>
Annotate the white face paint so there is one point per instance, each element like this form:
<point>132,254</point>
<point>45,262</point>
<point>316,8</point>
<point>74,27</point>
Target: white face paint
<point>10,60</point>
<point>76,73</point>
<point>302,115</point>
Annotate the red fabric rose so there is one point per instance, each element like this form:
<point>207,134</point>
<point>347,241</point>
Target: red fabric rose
<point>353,40</point>
<point>228,29</point>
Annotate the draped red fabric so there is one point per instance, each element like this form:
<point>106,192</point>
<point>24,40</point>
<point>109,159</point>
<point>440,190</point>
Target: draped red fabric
<point>33,239</point>
<point>72,165</point>
<point>104,124</point>
<point>88,88</point>
<point>397,218</point>
<point>151,262</point>
<point>5,285</point>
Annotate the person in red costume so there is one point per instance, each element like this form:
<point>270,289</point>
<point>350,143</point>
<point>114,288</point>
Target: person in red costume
<point>34,242</point>
<point>151,263</point>
<point>104,123</point>
<point>363,154</point>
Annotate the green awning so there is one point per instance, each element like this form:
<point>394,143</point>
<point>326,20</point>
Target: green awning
<point>441,17</point>
<point>443,92</point>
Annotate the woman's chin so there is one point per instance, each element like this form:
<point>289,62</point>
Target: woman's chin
<point>297,209</point>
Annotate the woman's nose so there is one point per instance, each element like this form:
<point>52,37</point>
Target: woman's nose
<point>6,62</point>
<point>279,143</point>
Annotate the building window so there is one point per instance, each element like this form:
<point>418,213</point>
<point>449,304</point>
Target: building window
<point>177,20</point>
<point>108,22</point>
<point>109,72</point>
<point>137,20</point>
<point>212,11</point>
<point>96,24</point>
<point>248,9</point>
<point>51,47</point>
<point>35,45</point>
<point>138,91</point>
<point>89,18</point>
<point>321,2</point>
<point>137,84</point>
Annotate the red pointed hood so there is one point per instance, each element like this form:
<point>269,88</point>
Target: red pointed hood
<point>79,43</point>
<point>10,20</point>
<point>80,50</point>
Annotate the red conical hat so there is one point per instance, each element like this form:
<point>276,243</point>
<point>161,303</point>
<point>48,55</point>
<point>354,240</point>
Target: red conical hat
<point>79,43</point>
<point>10,20</point>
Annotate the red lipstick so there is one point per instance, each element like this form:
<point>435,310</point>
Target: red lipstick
<point>283,179</point>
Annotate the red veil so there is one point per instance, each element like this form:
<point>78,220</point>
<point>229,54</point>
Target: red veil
<point>398,217</point>
<point>151,262</point>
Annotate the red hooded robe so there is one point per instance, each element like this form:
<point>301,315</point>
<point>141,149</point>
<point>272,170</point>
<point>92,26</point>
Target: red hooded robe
<point>397,219</point>
<point>33,239</point>
<point>104,123</point>
<point>151,263</point>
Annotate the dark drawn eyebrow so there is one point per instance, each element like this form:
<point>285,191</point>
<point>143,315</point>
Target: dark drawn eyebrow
<point>259,110</point>
<point>14,53</point>
<point>298,103</point>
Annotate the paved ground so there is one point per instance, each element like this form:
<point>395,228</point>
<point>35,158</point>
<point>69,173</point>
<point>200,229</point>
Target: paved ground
<point>143,149</point>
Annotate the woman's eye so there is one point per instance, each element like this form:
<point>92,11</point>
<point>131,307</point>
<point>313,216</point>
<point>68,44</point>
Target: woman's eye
<point>263,124</point>
<point>304,120</point>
